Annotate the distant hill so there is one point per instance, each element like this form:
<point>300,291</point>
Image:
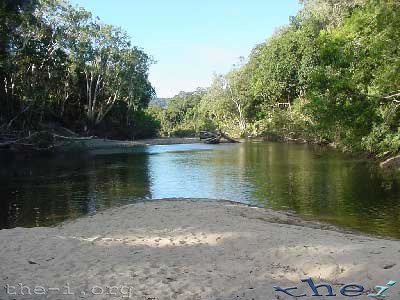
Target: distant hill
<point>161,102</point>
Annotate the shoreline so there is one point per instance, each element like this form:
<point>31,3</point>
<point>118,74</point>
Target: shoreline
<point>390,163</point>
<point>92,145</point>
<point>99,143</point>
<point>192,249</point>
<point>287,217</point>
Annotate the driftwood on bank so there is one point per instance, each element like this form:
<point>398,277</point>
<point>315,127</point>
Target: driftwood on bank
<point>40,141</point>
<point>73,138</point>
<point>295,140</point>
<point>215,137</point>
<point>9,124</point>
<point>17,141</point>
<point>391,163</point>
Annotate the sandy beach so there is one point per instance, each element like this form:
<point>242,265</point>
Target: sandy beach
<point>190,249</point>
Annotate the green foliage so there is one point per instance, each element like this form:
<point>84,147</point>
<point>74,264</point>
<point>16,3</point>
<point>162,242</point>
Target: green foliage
<point>145,125</point>
<point>332,75</point>
<point>358,67</point>
<point>58,63</point>
<point>181,116</point>
<point>227,105</point>
<point>382,140</point>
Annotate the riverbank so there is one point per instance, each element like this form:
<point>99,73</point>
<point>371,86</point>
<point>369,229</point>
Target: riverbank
<point>93,145</point>
<point>76,144</point>
<point>386,162</point>
<point>72,143</point>
<point>190,249</point>
<point>98,143</point>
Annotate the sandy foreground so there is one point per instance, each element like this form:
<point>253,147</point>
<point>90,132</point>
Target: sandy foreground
<point>190,249</point>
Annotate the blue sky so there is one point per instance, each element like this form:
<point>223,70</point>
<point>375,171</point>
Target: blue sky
<point>193,39</point>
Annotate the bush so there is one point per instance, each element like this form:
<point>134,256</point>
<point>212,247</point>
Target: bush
<point>145,125</point>
<point>184,133</point>
<point>382,141</point>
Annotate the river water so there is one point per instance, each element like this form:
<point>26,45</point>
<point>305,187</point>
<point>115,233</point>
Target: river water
<point>315,182</point>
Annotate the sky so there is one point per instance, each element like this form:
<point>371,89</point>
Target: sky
<point>191,40</point>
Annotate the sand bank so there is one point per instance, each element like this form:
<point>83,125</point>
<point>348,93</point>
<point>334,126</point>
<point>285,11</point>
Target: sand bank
<point>189,249</point>
<point>97,143</point>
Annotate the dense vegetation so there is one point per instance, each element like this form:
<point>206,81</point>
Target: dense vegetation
<point>59,65</point>
<point>331,76</point>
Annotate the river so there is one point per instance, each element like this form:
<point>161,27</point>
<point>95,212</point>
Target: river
<point>315,182</point>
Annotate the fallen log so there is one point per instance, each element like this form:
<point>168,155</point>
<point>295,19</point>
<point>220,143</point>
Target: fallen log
<point>9,143</point>
<point>8,125</point>
<point>56,128</point>
<point>41,141</point>
<point>212,140</point>
<point>72,138</point>
<point>229,139</point>
<point>206,135</point>
<point>391,163</point>
<point>215,137</point>
<point>295,140</point>
<point>23,147</point>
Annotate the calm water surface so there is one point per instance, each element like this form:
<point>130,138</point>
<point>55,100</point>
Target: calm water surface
<point>312,181</point>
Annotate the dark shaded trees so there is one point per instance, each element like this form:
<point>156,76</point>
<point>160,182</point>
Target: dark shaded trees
<point>59,64</point>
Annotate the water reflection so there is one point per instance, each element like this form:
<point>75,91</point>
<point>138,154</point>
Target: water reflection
<point>46,191</point>
<point>313,181</point>
<point>213,174</point>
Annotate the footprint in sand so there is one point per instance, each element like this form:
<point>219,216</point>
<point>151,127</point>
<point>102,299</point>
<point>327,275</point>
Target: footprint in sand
<point>388,266</point>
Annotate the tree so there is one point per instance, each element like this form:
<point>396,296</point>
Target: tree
<point>181,116</point>
<point>355,84</point>
<point>58,63</point>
